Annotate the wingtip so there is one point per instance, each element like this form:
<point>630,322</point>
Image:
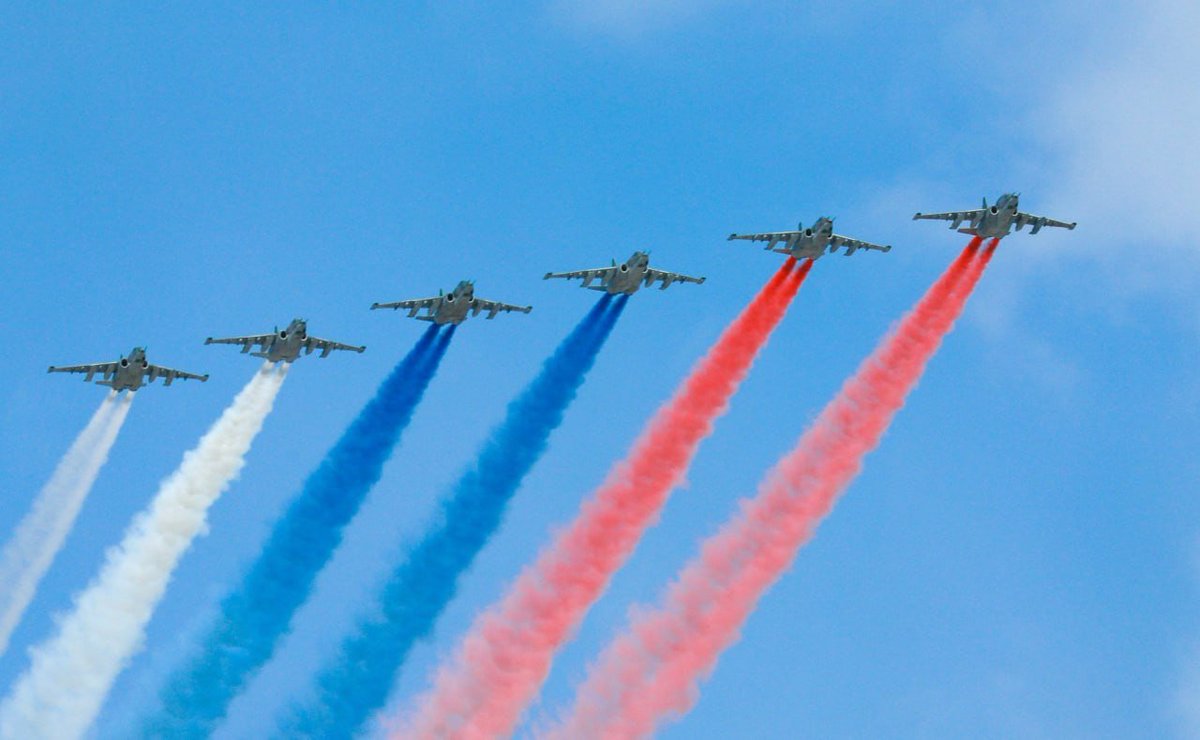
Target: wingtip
<point>204,379</point>
<point>208,340</point>
<point>1074,224</point>
<point>50,369</point>
<point>887,247</point>
<point>916,215</point>
<point>374,306</point>
<point>547,276</point>
<point>703,279</point>
<point>732,237</point>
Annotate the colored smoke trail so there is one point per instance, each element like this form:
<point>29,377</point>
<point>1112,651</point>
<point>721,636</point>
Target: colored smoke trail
<point>654,669</point>
<point>71,674</point>
<point>257,614</point>
<point>40,535</point>
<point>356,684</point>
<point>505,657</point>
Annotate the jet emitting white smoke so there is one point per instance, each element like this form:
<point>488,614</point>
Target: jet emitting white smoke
<point>71,674</point>
<point>40,535</point>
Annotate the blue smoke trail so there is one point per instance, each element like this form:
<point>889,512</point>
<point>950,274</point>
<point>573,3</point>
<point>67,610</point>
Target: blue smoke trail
<point>257,614</point>
<point>356,683</point>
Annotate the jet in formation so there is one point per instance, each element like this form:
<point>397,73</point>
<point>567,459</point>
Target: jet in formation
<point>452,307</point>
<point>128,373</point>
<point>285,344</point>
<point>996,221</point>
<point>811,242</point>
<point>626,277</point>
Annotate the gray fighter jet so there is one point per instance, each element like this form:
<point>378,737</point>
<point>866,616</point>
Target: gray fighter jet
<point>128,373</point>
<point>626,277</point>
<point>285,344</point>
<point>810,242</point>
<point>452,307</point>
<point>997,221</point>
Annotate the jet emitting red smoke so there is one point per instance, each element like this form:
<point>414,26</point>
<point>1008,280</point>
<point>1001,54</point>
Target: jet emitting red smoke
<point>654,669</point>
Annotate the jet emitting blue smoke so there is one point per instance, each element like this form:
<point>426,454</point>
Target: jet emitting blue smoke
<point>256,615</point>
<point>357,681</point>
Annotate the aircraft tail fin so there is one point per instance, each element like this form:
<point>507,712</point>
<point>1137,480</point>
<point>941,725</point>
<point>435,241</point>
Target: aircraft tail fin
<point>972,232</point>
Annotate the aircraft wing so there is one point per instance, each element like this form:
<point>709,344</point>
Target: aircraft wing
<point>772,238</point>
<point>587,276</point>
<point>494,307</point>
<point>327,346</point>
<point>99,368</point>
<point>836,242</point>
<point>1038,222</point>
<point>666,278</point>
<point>247,342</point>
<point>956,217</point>
<point>168,374</point>
<point>413,306</point>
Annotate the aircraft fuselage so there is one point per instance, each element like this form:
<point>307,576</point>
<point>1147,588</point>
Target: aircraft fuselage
<point>285,344</point>
<point>452,308</point>
<point>130,373</point>
<point>813,241</point>
<point>626,280</point>
<point>629,276</point>
<point>997,220</point>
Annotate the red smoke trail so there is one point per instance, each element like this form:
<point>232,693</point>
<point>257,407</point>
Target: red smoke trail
<point>655,667</point>
<point>505,657</point>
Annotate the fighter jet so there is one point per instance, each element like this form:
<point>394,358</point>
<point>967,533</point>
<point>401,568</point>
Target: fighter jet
<point>995,222</point>
<point>811,242</point>
<point>285,344</point>
<point>626,277</point>
<point>128,373</point>
<point>452,307</point>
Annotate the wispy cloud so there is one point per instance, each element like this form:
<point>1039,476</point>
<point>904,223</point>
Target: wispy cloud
<point>1106,132</point>
<point>1122,127</point>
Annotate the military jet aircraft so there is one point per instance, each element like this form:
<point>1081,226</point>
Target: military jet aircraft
<point>452,307</point>
<point>626,277</point>
<point>995,222</point>
<point>128,373</point>
<point>285,344</point>
<point>810,242</point>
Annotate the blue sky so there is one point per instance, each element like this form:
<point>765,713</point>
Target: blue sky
<point>1020,557</point>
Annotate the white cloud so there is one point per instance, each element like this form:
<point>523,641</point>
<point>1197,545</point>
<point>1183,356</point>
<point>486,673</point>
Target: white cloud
<point>1122,125</point>
<point>1106,132</point>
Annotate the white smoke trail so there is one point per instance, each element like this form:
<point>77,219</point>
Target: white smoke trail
<point>40,535</point>
<point>70,675</point>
